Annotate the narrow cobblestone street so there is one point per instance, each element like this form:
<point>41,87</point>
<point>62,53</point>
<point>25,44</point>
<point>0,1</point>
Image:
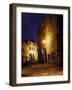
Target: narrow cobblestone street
<point>42,70</point>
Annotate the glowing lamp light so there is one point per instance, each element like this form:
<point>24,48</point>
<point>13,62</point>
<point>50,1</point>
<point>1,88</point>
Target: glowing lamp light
<point>43,41</point>
<point>47,40</point>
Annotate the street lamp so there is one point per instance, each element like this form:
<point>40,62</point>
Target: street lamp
<point>47,40</point>
<point>44,41</point>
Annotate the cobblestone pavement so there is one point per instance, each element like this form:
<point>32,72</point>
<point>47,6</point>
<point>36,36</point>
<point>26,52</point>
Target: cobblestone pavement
<point>42,70</point>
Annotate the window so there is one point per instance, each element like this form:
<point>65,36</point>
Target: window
<point>30,48</point>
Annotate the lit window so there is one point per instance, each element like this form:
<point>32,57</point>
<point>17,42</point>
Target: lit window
<point>34,49</point>
<point>30,48</point>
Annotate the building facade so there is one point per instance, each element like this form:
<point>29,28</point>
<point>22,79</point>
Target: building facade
<point>50,39</point>
<point>29,52</point>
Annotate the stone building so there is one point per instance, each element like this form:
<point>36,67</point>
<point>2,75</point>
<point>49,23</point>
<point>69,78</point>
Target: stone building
<point>49,39</point>
<point>29,52</point>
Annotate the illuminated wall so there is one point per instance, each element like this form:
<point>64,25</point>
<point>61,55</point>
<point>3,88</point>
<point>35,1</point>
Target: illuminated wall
<point>47,34</point>
<point>51,38</point>
<point>29,48</point>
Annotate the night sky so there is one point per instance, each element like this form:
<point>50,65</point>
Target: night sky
<point>30,25</point>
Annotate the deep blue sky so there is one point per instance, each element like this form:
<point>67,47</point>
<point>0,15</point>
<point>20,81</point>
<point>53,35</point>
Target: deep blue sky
<point>30,24</point>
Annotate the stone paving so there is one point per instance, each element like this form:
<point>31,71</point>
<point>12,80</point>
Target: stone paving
<point>42,70</point>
